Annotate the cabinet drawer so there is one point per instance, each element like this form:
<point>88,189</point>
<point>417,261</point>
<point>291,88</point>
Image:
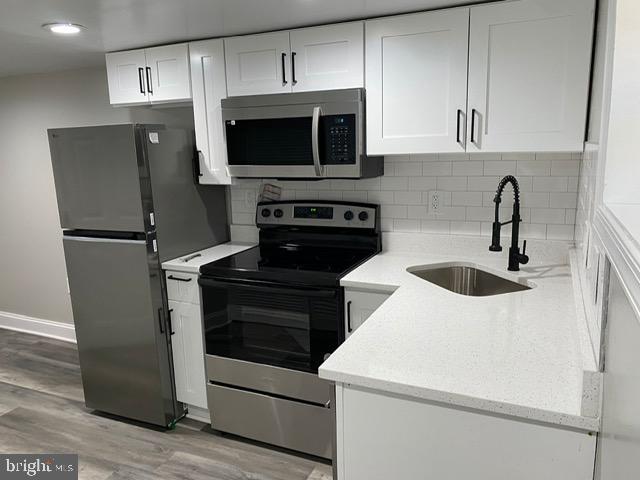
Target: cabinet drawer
<point>183,287</point>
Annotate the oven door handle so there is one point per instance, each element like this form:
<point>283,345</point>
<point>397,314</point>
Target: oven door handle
<point>315,140</point>
<point>267,287</point>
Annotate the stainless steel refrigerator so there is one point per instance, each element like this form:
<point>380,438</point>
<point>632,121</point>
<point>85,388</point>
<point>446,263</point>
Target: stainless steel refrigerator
<point>128,200</point>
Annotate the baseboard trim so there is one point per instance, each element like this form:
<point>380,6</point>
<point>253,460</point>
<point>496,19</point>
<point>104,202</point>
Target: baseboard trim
<point>198,413</point>
<point>38,326</point>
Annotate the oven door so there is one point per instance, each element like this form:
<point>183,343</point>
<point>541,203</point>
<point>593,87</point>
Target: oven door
<point>289,327</point>
<point>294,141</point>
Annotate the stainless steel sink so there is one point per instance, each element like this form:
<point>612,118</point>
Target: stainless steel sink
<point>467,280</point>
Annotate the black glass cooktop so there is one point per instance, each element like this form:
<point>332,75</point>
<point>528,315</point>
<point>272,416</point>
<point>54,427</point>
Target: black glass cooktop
<point>288,263</point>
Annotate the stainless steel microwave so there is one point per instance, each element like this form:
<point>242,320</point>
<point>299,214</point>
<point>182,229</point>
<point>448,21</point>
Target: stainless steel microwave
<point>310,135</point>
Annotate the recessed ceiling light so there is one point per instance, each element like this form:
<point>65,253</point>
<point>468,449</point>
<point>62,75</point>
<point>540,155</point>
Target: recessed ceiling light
<point>63,28</point>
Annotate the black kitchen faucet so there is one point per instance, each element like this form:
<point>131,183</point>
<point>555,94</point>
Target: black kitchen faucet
<point>515,257</point>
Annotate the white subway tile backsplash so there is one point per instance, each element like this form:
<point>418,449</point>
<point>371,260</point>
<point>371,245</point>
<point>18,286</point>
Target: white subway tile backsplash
<point>394,183</point>
<point>407,198</point>
<point>548,215</point>
<point>452,183</point>
<point>465,228</point>
<point>467,168</point>
<point>393,211</point>
<point>550,184</point>
<point>565,167</point>
<point>402,225</point>
<point>435,226</point>
<point>465,185</point>
<point>533,167</point>
<point>560,232</point>
<point>499,167</point>
<point>473,199</point>
<point>436,169</point>
<point>422,183</point>
<point>563,200</point>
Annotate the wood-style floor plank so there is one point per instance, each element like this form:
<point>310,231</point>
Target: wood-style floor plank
<point>42,410</point>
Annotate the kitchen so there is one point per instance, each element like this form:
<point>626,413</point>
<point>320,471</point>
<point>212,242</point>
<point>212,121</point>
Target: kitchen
<point>250,234</point>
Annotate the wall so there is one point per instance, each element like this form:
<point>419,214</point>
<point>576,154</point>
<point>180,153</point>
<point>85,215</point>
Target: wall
<point>32,269</point>
<point>466,186</point>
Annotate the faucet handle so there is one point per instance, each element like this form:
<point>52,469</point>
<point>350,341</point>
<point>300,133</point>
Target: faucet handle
<point>523,258</point>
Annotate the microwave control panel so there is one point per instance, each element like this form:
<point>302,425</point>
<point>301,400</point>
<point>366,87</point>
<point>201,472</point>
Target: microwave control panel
<point>340,139</point>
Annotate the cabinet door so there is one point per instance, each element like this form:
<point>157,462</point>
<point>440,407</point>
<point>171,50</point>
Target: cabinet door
<point>258,64</point>
<point>168,74</point>
<point>126,77</point>
<point>359,306</point>
<point>209,87</point>
<point>188,353</point>
<point>330,57</point>
<point>416,78</point>
<point>529,67</point>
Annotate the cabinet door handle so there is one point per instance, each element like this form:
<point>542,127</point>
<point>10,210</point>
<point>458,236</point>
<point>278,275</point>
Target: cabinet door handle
<point>197,171</point>
<point>171,277</point>
<point>458,129</point>
<point>171,332</point>
<point>284,76</point>
<point>149,84</point>
<point>473,125</point>
<point>349,329</point>
<point>141,80</point>
<point>293,68</point>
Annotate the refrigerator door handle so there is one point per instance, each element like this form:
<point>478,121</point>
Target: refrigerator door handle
<point>160,322</point>
<point>104,240</point>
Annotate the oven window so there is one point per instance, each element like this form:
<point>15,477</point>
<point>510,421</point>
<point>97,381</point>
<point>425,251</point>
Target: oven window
<point>278,141</point>
<point>271,326</point>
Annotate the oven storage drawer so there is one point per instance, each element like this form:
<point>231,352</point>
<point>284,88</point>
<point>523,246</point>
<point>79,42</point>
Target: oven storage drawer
<point>267,379</point>
<point>284,423</point>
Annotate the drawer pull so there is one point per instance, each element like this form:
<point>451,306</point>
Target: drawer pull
<point>171,277</point>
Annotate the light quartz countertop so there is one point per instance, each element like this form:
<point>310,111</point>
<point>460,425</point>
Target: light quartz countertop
<point>192,262</point>
<point>524,354</point>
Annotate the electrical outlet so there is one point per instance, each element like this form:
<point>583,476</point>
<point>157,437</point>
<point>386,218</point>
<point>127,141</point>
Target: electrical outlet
<point>435,202</point>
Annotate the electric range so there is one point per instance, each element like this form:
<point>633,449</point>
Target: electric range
<point>273,313</point>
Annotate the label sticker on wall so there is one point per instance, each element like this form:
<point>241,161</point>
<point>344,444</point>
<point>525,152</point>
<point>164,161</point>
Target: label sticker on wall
<point>153,137</point>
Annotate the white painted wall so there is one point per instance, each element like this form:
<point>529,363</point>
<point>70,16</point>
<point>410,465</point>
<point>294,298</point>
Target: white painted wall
<point>32,268</point>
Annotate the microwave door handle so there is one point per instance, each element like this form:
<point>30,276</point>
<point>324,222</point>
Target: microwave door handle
<point>315,140</point>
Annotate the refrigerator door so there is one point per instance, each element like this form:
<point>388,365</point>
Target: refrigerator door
<point>188,216</point>
<point>120,320</point>
<point>98,173</point>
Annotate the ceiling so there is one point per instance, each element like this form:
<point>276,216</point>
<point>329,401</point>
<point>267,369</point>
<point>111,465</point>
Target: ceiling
<point>123,24</point>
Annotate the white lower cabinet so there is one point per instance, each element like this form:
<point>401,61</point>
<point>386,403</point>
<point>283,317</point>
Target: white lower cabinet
<point>414,439</point>
<point>187,341</point>
<point>359,305</point>
<point>188,353</point>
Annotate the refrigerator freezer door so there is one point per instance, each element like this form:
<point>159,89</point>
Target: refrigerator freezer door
<point>116,295</point>
<point>98,173</point>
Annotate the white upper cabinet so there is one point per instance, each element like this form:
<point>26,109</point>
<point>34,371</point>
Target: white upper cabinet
<point>326,58</point>
<point>258,64</point>
<point>416,80</point>
<point>126,77</point>
<point>529,64</point>
<point>169,75</point>
<point>152,75</point>
<point>209,87</point>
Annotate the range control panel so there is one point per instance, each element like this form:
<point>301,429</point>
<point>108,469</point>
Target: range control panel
<point>317,213</point>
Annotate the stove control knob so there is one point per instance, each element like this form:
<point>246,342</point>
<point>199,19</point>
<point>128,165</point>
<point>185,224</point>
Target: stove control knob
<point>348,215</point>
<point>265,212</point>
<point>278,213</point>
<point>363,216</point>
